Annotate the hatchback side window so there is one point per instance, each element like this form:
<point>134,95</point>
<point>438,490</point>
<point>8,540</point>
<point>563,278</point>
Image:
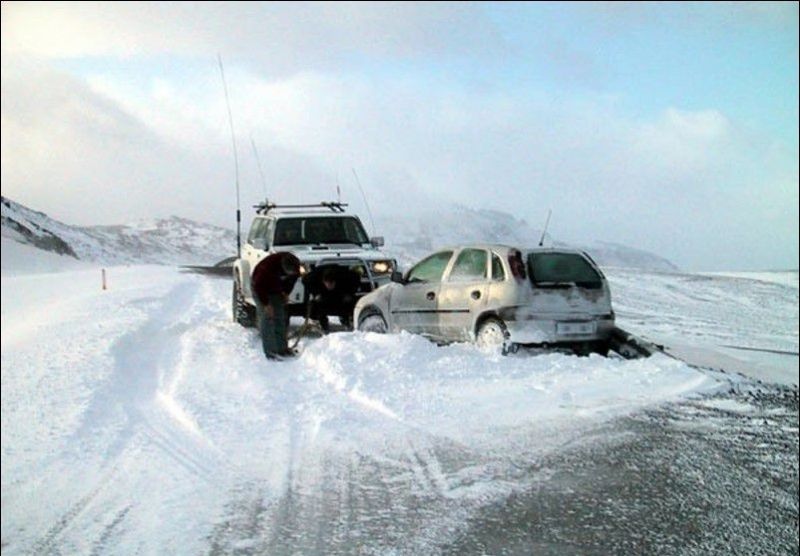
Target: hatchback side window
<point>470,265</point>
<point>430,269</point>
<point>498,273</point>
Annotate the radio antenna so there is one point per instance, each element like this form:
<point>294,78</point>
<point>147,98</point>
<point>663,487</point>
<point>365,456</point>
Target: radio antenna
<point>358,182</point>
<point>549,212</point>
<point>260,171</point>
<point>235,161</point>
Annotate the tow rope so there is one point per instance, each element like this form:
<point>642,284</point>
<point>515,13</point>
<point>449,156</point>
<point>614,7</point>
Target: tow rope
<point>307,325</point>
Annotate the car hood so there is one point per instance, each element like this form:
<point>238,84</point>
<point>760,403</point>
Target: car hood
<point>382,293</point>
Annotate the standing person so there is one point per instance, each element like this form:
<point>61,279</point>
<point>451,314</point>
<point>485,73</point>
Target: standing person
<point>272,282</point>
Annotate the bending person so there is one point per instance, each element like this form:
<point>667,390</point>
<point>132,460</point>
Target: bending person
<point>272,282</point>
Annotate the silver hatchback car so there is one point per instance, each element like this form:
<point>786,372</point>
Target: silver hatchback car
<point>497,295</point>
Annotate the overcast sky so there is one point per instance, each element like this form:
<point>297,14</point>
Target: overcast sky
<point>666,127</point>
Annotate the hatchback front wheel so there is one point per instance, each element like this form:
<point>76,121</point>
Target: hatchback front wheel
<point>373,323</point>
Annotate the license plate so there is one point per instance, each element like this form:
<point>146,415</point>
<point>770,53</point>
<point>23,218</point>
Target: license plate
<point>576,328</point>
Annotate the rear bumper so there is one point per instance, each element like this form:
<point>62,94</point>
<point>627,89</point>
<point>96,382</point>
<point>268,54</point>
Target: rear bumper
<point>543,330</point>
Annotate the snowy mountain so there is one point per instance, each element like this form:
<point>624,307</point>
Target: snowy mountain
<point>171,240</point>
<point>178,240</point>
<point>408,238</point>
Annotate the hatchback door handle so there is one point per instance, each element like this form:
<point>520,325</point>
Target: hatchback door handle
<point>430,295</point>
<point>476,294</point>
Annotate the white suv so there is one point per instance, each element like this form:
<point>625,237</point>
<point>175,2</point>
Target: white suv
<point>318,235</point>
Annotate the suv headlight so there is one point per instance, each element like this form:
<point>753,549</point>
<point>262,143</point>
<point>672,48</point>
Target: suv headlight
<point>381,267</point>
<point>305,268</point>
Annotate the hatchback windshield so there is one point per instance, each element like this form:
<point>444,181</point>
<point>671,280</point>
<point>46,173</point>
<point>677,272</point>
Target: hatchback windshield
<point>295,231</point>
<point>562,269</point>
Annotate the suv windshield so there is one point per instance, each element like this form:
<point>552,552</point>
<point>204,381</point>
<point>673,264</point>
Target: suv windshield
<point>562,269</point>
<point>315,230</point>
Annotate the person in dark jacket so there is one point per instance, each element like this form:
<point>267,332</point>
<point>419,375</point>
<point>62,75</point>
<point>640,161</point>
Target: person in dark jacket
<point>272,281</point>
<point>331,290</point>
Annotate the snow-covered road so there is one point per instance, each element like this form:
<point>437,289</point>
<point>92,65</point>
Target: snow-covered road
<point>142,420</point>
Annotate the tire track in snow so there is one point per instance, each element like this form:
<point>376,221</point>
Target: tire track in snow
<point>48,541</point>
<point>138,357</point>
<point>127,414</point>
<point>260,520</point>
<point>426,469</point>
<point>100,546</point>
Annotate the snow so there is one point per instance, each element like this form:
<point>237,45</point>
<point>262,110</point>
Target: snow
<point>18,258</point>
<point>785,277</point>
<point>742,322</point>
<point>141,419</point>
<point>171,240</point>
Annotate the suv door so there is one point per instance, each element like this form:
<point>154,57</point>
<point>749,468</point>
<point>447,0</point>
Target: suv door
<point>463,294</point>
<point>414,304</point>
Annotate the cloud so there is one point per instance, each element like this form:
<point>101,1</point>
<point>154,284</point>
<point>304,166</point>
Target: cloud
<point>147,132</point>
<point>276,38</point>
<point>658,183</point>
<point>86,159</point>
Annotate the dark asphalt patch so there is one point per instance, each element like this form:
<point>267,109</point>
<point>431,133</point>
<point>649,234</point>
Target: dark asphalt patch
<point>712,476</point>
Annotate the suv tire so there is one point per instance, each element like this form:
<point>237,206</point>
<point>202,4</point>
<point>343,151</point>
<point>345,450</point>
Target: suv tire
<point>243,313</point>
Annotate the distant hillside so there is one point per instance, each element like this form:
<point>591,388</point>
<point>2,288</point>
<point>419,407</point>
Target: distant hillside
<point>171,240</point>
<point>178,240</point>
<point>410,238</point>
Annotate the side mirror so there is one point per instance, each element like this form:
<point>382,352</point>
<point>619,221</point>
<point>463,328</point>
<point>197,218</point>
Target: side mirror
<point>377,241</point>
<point>397,276</point>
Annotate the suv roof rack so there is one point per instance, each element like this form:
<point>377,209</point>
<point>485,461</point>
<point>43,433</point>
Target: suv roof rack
<point>264,208</point>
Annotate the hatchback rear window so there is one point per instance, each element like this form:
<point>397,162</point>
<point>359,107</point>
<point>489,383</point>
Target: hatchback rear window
<point>562,270</point>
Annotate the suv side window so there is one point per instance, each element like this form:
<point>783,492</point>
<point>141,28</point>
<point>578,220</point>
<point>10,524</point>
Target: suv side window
<point>431,268</point>
<point>470,265</point>
<point>255,230</point>
<point>498,273</point>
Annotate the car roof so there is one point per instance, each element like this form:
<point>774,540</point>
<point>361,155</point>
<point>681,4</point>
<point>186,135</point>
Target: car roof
<point>304,214</point>
<point>491,246</point>
<point>503,247</point>
<point>553,250</point>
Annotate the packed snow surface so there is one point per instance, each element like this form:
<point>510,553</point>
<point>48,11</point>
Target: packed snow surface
<point>745,322</point>
<point>141,419</point>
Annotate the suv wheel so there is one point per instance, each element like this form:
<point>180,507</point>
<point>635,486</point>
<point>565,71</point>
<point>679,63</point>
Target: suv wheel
<point>493,334</point>
<point>374,322</point>
<point>243,313</point>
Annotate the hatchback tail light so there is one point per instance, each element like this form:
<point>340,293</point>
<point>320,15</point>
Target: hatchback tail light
<point>516,264</point>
